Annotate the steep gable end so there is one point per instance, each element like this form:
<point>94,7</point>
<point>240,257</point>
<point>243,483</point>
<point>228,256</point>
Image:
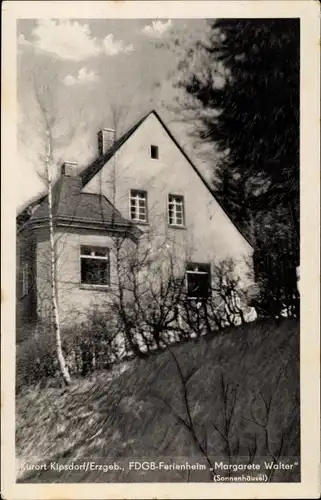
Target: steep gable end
<point>89,172</point>
<point>93,169</point>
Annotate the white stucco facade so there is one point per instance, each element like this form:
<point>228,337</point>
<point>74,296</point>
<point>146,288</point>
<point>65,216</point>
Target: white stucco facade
<point>209,235</point>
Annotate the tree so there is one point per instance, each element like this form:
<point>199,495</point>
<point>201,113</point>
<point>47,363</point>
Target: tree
<point>247,100</point>
<point>45,100</point>
<point>241,86</point>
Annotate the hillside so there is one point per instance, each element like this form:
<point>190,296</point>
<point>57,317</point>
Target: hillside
<point>243,394</point>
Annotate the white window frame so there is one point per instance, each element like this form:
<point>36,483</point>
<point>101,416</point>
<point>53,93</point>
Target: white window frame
<point>135,196</point>
<point>25,278</point>
<point>175,203</point>
<point>94,249</point>
<point>196,271</point>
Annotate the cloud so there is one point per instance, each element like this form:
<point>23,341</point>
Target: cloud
<point>83,76</point>
<point>72,41</point>
<point>113,47</point>
<point>157,28</point>
<point>67,39</point>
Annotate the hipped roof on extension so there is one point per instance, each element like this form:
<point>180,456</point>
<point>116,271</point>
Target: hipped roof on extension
<point>72,207</point>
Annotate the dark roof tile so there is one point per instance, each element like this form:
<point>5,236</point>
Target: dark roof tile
<point>70,203</point>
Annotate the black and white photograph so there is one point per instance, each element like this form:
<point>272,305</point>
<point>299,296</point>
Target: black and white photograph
<point>158,236</point>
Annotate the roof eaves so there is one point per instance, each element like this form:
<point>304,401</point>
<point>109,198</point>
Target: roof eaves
<point>87,223</point>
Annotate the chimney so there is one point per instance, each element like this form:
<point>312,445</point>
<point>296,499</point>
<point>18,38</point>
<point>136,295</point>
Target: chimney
<point>106,139</point>
<point>69,168</point>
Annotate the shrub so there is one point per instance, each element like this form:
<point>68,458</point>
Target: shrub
<point>87,347</point>
<point>36,359</point>
<point>92,345</point>
<point>228,303</point>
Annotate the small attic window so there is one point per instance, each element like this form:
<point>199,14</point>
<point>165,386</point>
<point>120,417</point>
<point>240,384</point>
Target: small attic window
<point>154,152</point>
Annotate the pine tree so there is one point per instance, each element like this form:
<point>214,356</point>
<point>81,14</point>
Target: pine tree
<point>242,85</point>
<point>253,116</point>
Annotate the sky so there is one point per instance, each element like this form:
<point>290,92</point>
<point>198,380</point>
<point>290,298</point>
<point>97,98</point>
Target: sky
<point>84,69</point>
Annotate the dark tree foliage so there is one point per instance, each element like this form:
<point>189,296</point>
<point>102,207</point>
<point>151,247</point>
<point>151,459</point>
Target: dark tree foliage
<point>252,117</point>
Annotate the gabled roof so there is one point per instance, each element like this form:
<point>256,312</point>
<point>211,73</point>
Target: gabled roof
<point>70,203</point>
<point>89,172</point>
<point>71,206</point>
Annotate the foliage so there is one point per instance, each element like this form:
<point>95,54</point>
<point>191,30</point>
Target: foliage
<point>241,85</point>
<point>252,115</point>
<point>35,358</point>
<point>114,413</point>
<point>227,304</point>
<point>88,347</point>
<point>156,314</point>
<point>158,311</point>
<point>93,345</point>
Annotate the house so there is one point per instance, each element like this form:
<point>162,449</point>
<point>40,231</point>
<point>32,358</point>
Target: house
<point>141,187</point>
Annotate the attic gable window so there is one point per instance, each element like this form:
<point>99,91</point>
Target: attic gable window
<point>154,152</point>
<point>198,280</point>
<point>138,205</point>
<point>176,210</point>
<point>94,266</point>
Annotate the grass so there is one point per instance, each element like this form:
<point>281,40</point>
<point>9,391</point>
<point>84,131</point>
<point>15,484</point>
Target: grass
<point>129,411</point>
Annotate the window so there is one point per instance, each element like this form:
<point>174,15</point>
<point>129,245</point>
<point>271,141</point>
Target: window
<point>94,266</point>
<point>138,205</point>
<point>175,210</point>
<point>154,152</point>
<point>25,279</point>
<point>198,280</point>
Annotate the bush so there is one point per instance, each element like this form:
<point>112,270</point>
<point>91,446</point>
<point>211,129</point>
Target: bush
<point>36,359</point>
<point>93,346</point>
<point>228,303</point>
<point>88,347</point>
<point>153,319</point>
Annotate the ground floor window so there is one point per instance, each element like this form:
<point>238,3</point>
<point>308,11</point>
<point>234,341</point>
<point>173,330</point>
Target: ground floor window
<point>198,280</point>
<point>94,265</point>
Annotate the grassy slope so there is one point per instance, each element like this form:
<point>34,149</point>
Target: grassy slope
<point>120,413</point>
